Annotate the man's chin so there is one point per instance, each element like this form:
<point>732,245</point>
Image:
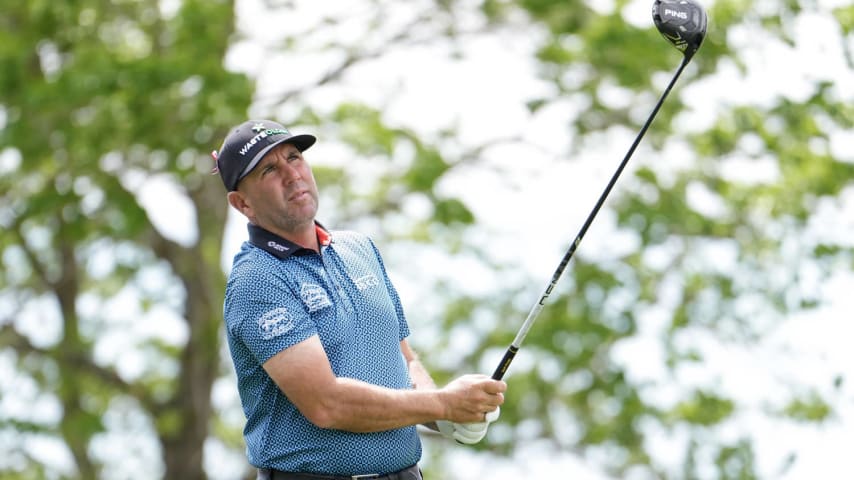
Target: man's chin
<point>296,220</point>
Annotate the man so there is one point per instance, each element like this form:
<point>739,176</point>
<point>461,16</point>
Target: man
<point>328,381</point>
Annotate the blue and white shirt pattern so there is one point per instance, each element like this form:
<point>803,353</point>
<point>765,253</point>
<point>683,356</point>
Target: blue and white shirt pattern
<point>278,295</point>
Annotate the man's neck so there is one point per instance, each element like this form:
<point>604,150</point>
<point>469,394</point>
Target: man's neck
<point>304,236</point>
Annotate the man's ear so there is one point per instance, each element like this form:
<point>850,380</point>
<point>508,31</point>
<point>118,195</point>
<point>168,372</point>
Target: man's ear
<point>238,201</point>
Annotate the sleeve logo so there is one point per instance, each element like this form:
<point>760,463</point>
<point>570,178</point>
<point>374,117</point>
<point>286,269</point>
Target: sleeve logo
<point>274,323</point>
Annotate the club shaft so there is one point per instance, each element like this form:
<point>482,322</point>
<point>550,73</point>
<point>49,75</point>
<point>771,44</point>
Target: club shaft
<point>538,307</point>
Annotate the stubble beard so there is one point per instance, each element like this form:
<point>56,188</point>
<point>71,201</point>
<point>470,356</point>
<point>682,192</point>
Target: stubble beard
<point>297,219</point>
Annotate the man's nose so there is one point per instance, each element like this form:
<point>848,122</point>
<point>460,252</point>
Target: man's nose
<point>291,173</point>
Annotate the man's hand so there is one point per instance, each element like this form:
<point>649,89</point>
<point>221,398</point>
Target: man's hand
<point>466,398</point>
<point>468,433</point>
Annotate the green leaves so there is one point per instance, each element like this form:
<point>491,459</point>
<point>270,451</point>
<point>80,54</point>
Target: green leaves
<point>402,164</point>
<point>362,128</point>
<point>427,168</point>
<point>810,407</point>
<point>703,408</point>
<point>452,211</point>
<point>96,99</point>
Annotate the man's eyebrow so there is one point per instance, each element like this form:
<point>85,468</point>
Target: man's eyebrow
<point>266,162</point>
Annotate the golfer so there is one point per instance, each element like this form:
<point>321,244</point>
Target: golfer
<point>329,384</point>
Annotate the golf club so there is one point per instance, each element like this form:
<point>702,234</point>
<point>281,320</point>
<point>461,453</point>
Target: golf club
<point>683,24</point>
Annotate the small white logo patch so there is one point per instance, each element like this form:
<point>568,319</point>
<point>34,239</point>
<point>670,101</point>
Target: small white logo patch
<point>277,246</point>
<point>366,282</point>
<point>314,297</point>
<point>274,323</point>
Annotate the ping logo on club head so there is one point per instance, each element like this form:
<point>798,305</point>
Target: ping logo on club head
<point>676,13</point>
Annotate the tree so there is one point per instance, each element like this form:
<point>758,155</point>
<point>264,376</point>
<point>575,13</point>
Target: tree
<point>97,99</point>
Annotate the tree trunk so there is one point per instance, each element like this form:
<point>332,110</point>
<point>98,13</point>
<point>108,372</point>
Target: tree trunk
<point>204,282</point>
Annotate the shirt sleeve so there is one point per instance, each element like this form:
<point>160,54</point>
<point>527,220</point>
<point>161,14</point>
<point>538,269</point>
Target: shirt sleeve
<point>392,292</point>
<point>264,314</point>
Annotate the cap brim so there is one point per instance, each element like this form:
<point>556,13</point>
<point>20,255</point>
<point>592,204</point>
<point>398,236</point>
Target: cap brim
<point>302,142</point>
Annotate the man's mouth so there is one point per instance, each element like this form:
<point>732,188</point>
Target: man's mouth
<point>298,195</point>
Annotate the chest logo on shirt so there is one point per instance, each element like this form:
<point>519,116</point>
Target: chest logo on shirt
<point>366,282</point>
<point>274,323</point>
<point>314,297</point>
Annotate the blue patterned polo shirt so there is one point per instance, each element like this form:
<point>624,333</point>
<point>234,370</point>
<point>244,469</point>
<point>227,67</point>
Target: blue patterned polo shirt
<point>279,294</point>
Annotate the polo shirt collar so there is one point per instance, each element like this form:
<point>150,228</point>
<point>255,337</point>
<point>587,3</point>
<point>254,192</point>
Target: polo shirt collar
<point>282,248</point>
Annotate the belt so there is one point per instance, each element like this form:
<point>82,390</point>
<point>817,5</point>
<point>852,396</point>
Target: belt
<point>409,473</point>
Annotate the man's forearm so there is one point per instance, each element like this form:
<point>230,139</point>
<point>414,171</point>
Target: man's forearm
<point>419,376</point>
<point>356,406</point>
<point>304,375</point>
<point>375,408</point>
<point>362,407</point>
<point>421,379</point>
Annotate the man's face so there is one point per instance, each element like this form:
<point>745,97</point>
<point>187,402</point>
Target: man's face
<point>280,194</point>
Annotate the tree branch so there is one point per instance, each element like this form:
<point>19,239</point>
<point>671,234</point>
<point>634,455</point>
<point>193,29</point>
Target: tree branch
<point>402,38</point>
<point>37,267</point>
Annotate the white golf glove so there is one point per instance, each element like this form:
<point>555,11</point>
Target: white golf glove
<point>468,433</point>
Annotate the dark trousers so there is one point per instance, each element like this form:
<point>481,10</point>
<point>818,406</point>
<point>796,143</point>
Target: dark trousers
<point>410,473</point>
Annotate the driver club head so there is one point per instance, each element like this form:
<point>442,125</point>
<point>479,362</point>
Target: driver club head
<point>682,23</point>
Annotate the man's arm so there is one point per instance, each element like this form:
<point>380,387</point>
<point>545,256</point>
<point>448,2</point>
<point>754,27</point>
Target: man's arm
<point>421,379</point>
<point>303,373</point>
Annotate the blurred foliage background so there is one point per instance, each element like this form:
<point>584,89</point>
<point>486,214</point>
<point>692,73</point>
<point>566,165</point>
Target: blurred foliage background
<point>652,359</point>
